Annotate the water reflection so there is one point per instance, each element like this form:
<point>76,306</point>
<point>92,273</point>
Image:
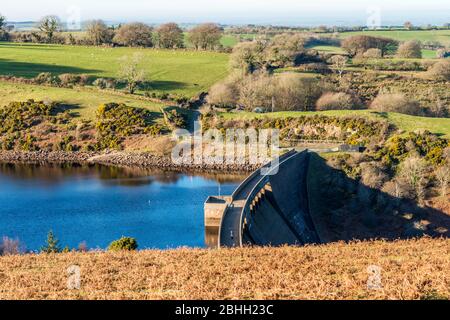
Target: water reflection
<point>53,174</point>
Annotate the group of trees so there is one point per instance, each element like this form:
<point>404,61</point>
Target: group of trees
<point>410,49</point>
<point>269,92</point>
<point>363,46</point>
<point>136,34</point>
<point>281,51</point>
<point>205,36</point>
<point>358,45</point>
<point>169,35</point>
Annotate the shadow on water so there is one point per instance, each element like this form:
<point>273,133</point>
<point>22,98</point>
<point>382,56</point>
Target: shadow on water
<point>31,70</point>
<point>56,173</point>
<point>345,209</point>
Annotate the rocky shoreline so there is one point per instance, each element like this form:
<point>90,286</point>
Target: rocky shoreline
<point>122,159</point>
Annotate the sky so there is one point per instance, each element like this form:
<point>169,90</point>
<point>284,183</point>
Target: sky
<point>276,12</point>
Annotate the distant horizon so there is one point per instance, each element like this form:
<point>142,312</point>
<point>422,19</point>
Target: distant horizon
<point>311,25</point>
<point>237,12</point>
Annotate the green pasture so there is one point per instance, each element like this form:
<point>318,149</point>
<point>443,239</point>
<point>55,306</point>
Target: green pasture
<point>82,101</point>
<point>185,72</point>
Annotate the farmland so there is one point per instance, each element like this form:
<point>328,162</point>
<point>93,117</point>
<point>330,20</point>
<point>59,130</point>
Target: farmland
<point>182,72</point>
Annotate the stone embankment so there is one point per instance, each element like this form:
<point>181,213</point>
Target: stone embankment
<point>118,159</point>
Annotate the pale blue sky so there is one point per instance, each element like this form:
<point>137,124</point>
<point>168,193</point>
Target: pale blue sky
<point>295,12</point>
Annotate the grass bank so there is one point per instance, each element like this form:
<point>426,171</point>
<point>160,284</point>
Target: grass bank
<point>415,269</point>
<point>403,122</point>
<point>83,101</point>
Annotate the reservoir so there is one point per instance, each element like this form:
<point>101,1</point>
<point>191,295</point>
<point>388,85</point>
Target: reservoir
<point>96,204</point>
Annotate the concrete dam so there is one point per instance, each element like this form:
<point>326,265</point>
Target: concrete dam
<point>270,207</point>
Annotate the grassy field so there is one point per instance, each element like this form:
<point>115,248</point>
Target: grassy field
<point>403,122</point>
<point>443,36</point>
<point>329,49</point>
<point>84,101</point>
<point>414,269</point>
<point>178,71</point>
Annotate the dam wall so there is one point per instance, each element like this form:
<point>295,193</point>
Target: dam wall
<point>279,213</point>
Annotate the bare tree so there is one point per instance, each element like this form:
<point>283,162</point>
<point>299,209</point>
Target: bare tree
<point>205,36</point>
<point>134,35</point>
<point>170,36</point>
<point>2,21</point>
<point>443,178</point>
<point>223,94</point>
<point>98,33</point>
<point>413,170</point>
<point>410,49</point>
<point>49,25</point>
<point>339,64</point>
<point>131,72</point>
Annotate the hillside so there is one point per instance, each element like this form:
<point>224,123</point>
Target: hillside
<point>403,122</point>
<point>84,101</point>
<point>414,269</point>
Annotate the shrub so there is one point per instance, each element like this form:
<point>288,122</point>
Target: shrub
<point>223,95</point>
<point>18,116</point>
<point>52,245</point>
<point>103,83</point>
<point>124,243</point>
<point>83,79</point>
<point>117,121</point>
<point>373,53</point>
<point>46,78</point>
<point>410,49</point>
<point>317,67</point>
<point>396,102</point>
<point>68,79</point>
<point>337,101</point>
<point>10,247</point>
<point>442,53</point>
<point>4,36</point>
<point>440,70</point>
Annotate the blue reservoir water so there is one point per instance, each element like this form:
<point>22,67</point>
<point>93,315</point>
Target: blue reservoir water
<point>98,204</point>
